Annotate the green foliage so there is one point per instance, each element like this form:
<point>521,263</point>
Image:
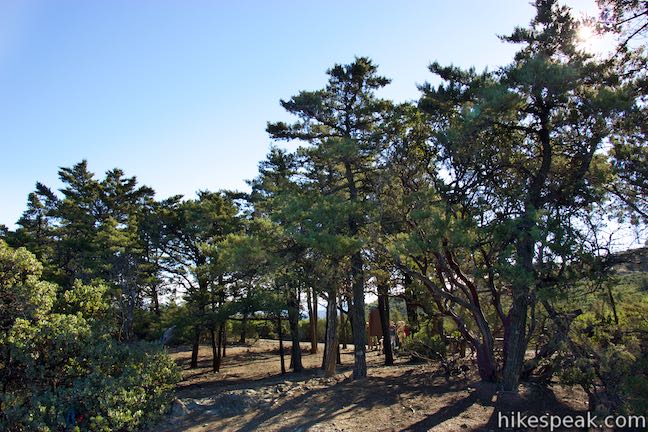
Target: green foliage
<point>425,344</point>
<point>90,301</point>
<point>63,367</point>
<point>107,386</point>
<point>609,359</point>
<point>22,293</point>
<point>150,325</point>
<point>95,230</point>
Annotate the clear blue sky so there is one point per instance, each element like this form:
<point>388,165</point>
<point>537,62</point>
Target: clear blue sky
<point>178,93</point>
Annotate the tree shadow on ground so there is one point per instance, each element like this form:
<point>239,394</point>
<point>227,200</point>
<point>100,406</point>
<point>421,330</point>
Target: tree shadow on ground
<point>325,404</point>
<point>482,393</point>
<point>392,391</point>
<point>537,400</point>
<point>192,386</point>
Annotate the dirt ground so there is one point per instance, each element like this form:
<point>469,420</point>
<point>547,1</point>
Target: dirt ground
<point>250,394</point>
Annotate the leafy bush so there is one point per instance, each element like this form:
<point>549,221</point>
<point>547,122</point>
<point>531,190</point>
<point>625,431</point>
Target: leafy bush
<point>59,366</point>
<point>607,356</point>
<point>425,345</point>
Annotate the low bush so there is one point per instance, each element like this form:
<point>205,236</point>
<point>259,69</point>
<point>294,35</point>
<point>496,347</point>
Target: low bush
<point>60,368</point>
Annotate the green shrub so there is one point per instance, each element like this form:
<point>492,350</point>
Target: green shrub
<point>607,356</point>
<point>425,345</point>
<point>59,365</point>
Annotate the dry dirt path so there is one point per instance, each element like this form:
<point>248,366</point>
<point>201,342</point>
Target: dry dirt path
<point>250,394</point>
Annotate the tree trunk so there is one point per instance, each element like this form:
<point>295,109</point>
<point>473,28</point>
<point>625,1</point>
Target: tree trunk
<point>343,326</point>
<point>215,365</point>
<point>311,298</point>
<point>194,348</point>
<point>485,362</point>
<point>515,343</point>
<point>243,328</point>
<point>155,300</point>
<point>293,320</point>
<point>338,357</point>
<point>358,285</point>
<point>281,347</point>
<point>326,330</point>
<point>383,309</point>
<point>483,344</point>
<point>612,304</point>
<point>438,328</point>
<point>224,337</point>
<point>484,347</point>
<point>131,300</point>
<point>218,348</point>
<point>358,321</point>
<point>412,316</point>
<point>350,317</point>
<point>331,334</point>
<point>515,340</point>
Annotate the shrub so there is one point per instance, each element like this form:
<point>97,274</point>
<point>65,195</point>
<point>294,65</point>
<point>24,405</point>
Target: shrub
<point>425,345</point>
<point>62,370</point>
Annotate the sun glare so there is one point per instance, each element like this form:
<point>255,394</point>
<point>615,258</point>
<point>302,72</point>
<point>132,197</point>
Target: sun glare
<point>585,33</point>
<point>592,42</point>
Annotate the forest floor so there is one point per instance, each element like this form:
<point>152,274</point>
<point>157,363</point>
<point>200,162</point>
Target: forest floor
<point>250,394</point>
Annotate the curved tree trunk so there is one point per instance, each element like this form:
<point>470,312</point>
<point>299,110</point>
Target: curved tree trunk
<point>486,362</point>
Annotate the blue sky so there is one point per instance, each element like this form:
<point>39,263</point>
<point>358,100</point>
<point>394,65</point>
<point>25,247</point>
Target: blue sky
<point>178,93</point>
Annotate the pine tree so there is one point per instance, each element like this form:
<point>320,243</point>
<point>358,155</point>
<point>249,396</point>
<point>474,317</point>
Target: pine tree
<point>519,170</point>
<point>341,122</point>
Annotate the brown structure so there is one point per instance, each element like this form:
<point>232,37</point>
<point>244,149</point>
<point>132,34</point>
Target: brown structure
<point>375,329</point>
